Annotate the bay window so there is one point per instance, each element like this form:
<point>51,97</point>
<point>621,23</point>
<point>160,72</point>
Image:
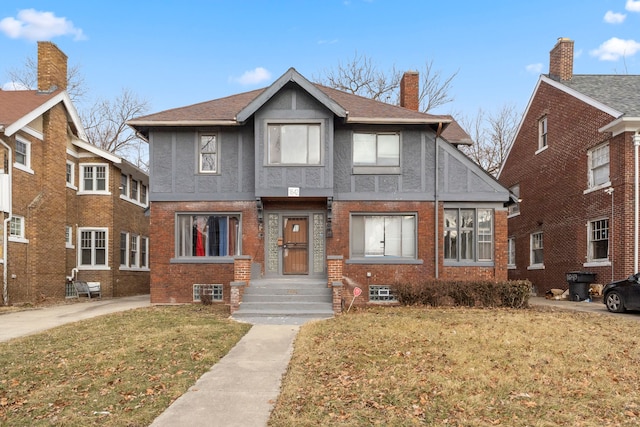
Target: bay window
<point>468,235</point>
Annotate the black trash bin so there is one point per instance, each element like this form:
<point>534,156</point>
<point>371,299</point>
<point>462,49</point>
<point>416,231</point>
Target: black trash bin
<point>579,282</point>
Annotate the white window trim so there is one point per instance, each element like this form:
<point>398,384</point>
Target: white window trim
<point>21,238</point>
<point>72,184</point>
<point>511,266</point>
<point>26,167</point>
<point>69,241</point>
<point>124,266</point>
<point>533,266</point>
<point>543,121</point>
<point>590,259</point>
<point>106,191</point>
<point>79,250</point>
<point>590,186</point>
<point>137,267</point>
<point>199,153</point>
<point>126,197</point>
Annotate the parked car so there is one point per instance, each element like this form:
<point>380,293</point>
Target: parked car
<point>622,294</point>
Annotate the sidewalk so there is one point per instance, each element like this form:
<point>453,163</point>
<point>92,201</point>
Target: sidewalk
<point>596,306</point>
<point>20,323</point>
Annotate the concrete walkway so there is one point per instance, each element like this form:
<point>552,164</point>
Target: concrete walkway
<point>242,388</point>
<point>20,323</point>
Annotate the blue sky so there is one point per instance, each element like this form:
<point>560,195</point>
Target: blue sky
<point>179,53</point>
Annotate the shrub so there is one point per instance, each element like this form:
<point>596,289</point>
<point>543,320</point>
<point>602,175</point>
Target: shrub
<point>513,294</point>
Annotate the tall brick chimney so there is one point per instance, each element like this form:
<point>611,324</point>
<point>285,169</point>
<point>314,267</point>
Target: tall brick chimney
<point>410,91</point>
<point>561,60</point>
<point>52,67</point>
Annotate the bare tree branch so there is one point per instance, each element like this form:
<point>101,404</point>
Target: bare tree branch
<point>493,135</point>
<point>360,76</point>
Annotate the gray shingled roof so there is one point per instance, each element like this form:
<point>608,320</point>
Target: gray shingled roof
<point>619,91</point>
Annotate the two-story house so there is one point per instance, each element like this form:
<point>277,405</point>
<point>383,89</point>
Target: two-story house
<point>304,181</point>
<point>574,166</point>
<point>70,210</point>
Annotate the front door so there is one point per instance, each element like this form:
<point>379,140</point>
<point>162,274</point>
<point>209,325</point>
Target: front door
<point>295,248</point>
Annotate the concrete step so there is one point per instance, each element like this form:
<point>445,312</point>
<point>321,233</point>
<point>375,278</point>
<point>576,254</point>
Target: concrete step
<point>318,297</point>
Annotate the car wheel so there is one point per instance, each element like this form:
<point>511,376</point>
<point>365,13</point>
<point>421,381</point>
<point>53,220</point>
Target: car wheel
<point>614,302</point>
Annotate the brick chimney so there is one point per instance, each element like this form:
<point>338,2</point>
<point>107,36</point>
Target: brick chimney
<point>561,60</point>
<point>410,91</point>
<point>52,67</point>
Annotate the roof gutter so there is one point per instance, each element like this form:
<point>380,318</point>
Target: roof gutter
<point>387,120</point>
<point>183,123</point>
<point>5,223</point>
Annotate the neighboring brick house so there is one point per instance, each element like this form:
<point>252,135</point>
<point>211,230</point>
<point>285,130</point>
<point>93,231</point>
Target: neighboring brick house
<point>64,214</point>
<point>301,180</point>
<point>572,166</point>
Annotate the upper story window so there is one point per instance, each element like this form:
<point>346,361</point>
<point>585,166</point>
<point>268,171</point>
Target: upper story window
<point>598,240</point>
<point>207,235</point>
<point>542,133</point>
<point>598,166</point>
<point>294,144</point>
<point>22,155</point>
<point>134,189</point>
<point>124,184</point>
<point>384,236</point>
<point>208,153</point>
<point>376,149</point>
<point>537,250</point>
<point>143,194</point>
<point>71,175</point>
<point>16,229</point>
<point>515,208</point>
<point>468,235</point>
<point>94,178</point>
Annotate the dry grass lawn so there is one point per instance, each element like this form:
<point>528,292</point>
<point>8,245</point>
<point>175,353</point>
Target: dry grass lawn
<point>464,367</point>
<point>121,369</point>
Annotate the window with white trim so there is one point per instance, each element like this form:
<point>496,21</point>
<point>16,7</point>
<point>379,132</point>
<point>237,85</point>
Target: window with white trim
<point>133,251</point>
<point>16,228</point>
<point>598,240</point>
<point>537,249</point>
<point>383,236</point>
<point>124,246</point>
<point>468,235</point>
<point>71,174</point>
<point>214,290</point>
<point>68,237</point>
<point>144,252</point>
<point>124,185</point>
<point>94,178</point>
<point>208,235</point>
<point>376,149</point>
<point>208,153</point>
<point>23,152</point>
<point>294,144</point>
<point>511,252</point>
<point>598,158</point>
<point>143,194</point>
<point>514,209</point>
<point>93,247</point>
<point>381,293</point>
<point>542,133</point>
<point>134,190</point>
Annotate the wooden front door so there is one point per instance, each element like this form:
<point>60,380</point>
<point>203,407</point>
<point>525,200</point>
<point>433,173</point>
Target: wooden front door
<point>295,249</point>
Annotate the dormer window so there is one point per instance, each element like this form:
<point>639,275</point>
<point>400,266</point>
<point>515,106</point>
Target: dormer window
<point>294,144</point>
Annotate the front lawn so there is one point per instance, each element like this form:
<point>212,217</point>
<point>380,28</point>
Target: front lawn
<point>464,367</point>
<point>121,369</point>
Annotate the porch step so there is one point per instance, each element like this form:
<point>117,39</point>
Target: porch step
<point>286,298</point>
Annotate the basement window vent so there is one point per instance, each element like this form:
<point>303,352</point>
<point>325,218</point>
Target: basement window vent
<point>381,293</point>
<point>214,290</point>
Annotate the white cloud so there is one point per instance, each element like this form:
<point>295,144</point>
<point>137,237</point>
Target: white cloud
<point>615,48</point>
<point>534,68</point>
<point>14,86</point>
<point>632,5</point>
<point>252,77</point>
<point>614,18</point>
<point>37,25</point>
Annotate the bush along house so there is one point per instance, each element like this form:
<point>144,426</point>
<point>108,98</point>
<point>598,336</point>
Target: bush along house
<point>573,165</point>
<point>70,210</point>
<point>300,183</point>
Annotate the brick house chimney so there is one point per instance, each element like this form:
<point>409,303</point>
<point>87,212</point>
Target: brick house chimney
<point>52,67</point>
<point>561,60</point>
<point>410,91</point>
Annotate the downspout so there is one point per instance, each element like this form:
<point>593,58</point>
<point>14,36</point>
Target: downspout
<point>636,144</point>
<point>435,201</point>
<point>5,227</point>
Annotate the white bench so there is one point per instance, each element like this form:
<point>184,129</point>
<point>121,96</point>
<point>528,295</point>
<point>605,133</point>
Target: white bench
<point>88,289</point>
